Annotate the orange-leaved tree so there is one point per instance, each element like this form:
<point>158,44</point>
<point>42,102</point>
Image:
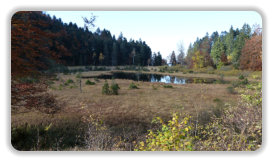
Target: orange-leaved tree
<point>32,45</point>
<point>251,58</point>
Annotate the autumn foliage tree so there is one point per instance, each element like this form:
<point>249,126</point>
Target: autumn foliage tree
<point>31,49</point>
<point>31,46</point>
<point>251,58</point>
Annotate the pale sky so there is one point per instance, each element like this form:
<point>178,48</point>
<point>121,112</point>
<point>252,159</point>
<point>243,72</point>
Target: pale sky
<point>163,30</point>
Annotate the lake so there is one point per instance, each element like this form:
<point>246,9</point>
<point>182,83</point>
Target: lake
<point>153,78</point>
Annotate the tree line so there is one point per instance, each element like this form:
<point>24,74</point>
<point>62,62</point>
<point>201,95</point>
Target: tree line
<point>241,48</point>
<point>39,40</point>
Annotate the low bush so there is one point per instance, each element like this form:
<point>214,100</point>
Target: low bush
<point>220,65</point>
<point>69,81</point>
<point>133,86</point>
<point>245,81</point>
<point>241,77</point>
<point>105,88</point>
<point>88,82</point>
<point>114,88</point>
<point>173,136</point>
<point>167,86</point>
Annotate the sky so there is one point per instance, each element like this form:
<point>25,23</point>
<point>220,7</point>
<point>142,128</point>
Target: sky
<point>163,30</point>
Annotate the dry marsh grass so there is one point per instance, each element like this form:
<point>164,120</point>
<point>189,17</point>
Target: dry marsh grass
<point>128,115</point>
<point>140,104</point>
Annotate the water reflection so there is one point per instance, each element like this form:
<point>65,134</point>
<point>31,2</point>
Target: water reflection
<point>168,79</point>
<point>155,78</point>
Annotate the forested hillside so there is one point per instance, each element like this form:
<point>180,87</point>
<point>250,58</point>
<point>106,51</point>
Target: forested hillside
<point>240,47</point>
<point>37,36</point>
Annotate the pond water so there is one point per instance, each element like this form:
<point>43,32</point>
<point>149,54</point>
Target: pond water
<point>154,78</point>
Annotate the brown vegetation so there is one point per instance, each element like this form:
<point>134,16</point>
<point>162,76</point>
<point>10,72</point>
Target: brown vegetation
<point>251,58</point>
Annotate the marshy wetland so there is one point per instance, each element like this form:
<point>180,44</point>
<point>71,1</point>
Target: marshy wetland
<point>124,118</point>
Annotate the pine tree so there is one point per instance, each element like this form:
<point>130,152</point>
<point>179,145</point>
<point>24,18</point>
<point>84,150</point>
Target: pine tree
<point>173,59</point>
<point>217,51</point>
<point>114,54</point>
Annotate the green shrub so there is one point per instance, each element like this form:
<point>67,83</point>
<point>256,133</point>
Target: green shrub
<point>174,136</point>
<point>167,86</point>
<point>110,90</point>
<point>219,65</point>
<point>105,88</point>
<point>69,81</point>
<point>245,81</point>
<point>133,86</point>
<point>241,77</point>
<point>216,100</point>
<point>88,82</point>
<point>114,88</point>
